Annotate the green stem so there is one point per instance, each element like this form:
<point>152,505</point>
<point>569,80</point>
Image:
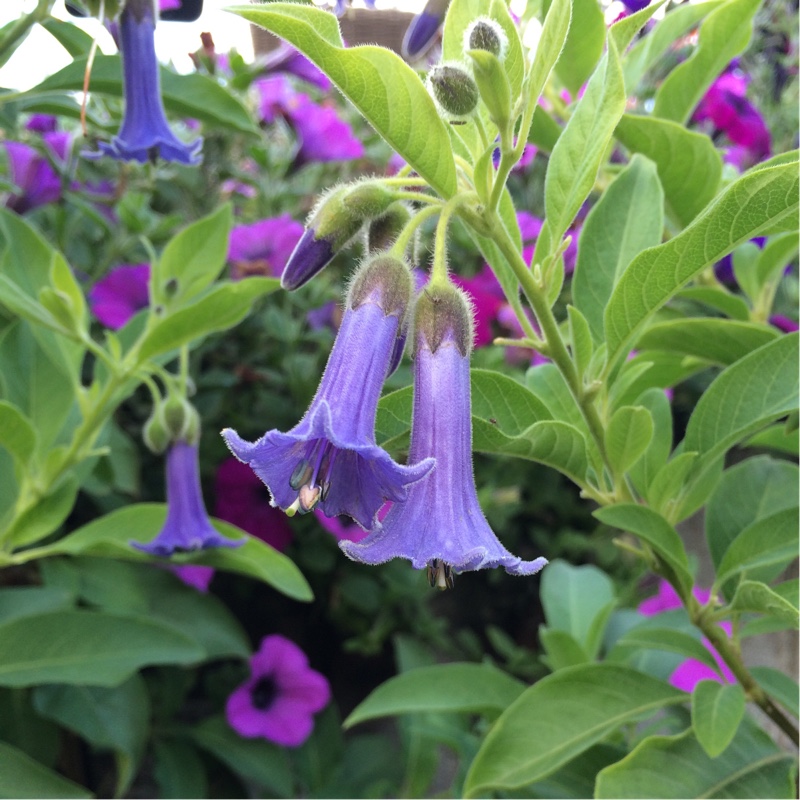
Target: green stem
<point>439,269</point>
<point>404,239</point>
<point>18,30</point>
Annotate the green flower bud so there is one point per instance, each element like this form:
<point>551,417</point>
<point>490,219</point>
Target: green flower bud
<point>453,89</point>
<point>181,419</point>
<point>156,436</point>
<point>385,229</point>
<point>485,34</point>
<point>443,314</point>
<point>493,86</point>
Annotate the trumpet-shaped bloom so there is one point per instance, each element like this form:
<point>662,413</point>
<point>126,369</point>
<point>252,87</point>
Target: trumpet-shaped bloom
<point>145,133</point>
<point>330,457</point>
<point>441,525</point>
<point>278,701</point>
<point>187,526</point>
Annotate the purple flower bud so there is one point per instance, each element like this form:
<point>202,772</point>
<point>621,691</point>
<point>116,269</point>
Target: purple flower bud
<point>145,133</point>
<point>441,526</point>
<point>423,29</point>
<point>187,526</point>
<point>33,173</point>
<point>330,458</point>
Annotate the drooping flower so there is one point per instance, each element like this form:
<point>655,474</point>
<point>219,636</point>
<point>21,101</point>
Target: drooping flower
<point>33,173</point>
<point>263,247</point>
<point>330,457</point>
<point>441,526</point>
<point>145,133</point>
<point>117,297</point>
<point>423,29</point>
<point>242,500</point>
<point>487,299</point>
<point>690,672</point>
<point>187,526</point>
<point>279,699</point>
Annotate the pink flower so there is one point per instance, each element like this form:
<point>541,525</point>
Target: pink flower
<point>263,247</point>
<point>195,575</point>
<point>117,297</point>
<point>280,698</point>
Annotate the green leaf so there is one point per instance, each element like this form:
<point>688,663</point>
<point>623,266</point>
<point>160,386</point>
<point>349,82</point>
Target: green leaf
<point>649,49</point>
<point>544,131</point>
<point>178,770</point>
<point>749,491</point>
<point>628,435</point>
<point>777,438</point>
<point>627,219</point>
<point>668,483</point>
<point>564,714</point>
<point>751,766</point>
<point>74,40</point>
<point>376,81</point>
<point>17,434</point>
<point>25,601</point>
<point>779,686</point>
<point>584,45</point>
<point>46,516</point>
<point>116,718</point>
<point>86,648</point>
<point>717,710</point>
<point>655,530</point>
<point>561,649</point>
<point>763,549</point>
<point>109,536</point>
<point>745,266</point>
<point>224,306</point>
<point>719,299</point>
<point>758,598</point>
<point>573,598</point>
<point>778,253</point>
<point>665,640</point>
<point>720,341</point>
<point>749,205</point>
<point>551,43</point>
<point>657,452</point>
<point>255,759</point>
<point>579,151</point>
<point>624,29</point>
<point>580,338</point>
<point>723,35</point>
<point>195,96</point>
<point>25,778</point>
<point>689,166</point>
<point>192,259</point>
<point>756,390</point>
<point>442,688</point>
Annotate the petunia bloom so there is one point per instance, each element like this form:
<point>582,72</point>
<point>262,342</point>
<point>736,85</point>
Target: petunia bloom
<point>441,526</point>
<point>330,458</point>
<point>279,699</point>
<point>263,247</point>
<point>145,133</point>
<point>33,173</point>
<point>286,58</point>
<point>117,297</point>
<point>187,526</point>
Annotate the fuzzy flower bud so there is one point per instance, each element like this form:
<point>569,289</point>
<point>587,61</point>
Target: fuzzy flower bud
<point>485,34</point>
<point>383,230</point>
<point>443,314</point>
<point>453,89</point>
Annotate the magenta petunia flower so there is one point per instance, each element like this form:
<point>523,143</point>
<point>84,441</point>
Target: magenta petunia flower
<point>242,500</point>
<point>187,526</point>
<point>783,323</point>
<point>330,457</point>
<point>32,172</point>
<point>441,526</point>
<point>286,58</point>
<point>145,134</point>
<point>279,699</point>
<point>117,297</point>
<point>195,575</point>
<point>264,247</point>
<point>487,299</point>
<point>41,123</point>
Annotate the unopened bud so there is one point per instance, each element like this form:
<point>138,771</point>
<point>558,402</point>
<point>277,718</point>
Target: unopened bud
<point>385,280</point>
<point>180,419</point>
<point>485,34</point>
<point>443,314</point>
<point>493,86</point>
<point>453,89</point>
<point>383,230</point>
<point>155,434</point>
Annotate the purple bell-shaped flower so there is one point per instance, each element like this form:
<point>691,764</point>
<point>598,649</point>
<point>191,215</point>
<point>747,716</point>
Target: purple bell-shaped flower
<point>330,458</point>
<point>145,134</point>
<point>441,526</point>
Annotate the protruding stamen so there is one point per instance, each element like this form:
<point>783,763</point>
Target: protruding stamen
<point>301,475</point>
<point>309,496</point>
<point>293,508</point>
<point>440,575</point>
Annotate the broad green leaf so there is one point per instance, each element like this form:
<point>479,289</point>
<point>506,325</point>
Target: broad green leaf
<point>657,452</point>
<point>763,549</point>
<point>573,598</point>
<point>668,483</point>
<point>544,131</point>
<point>17,434</point>
<point>178,770</point>
<point>719,299</point>
<point>624,29</point>
<point>580,339</point>
<point>192,259</point>
<point>758,598</point>
<point>650,48</point>
<point>86,648</point>
<point>723,35</point>
<point>584,45</point>
<point>777,438</point>
<point>576,778</point>
<point>689,166</point>
<point>579,151</point>
<point>564,714</point>
<point>116,718</point>
<point>717,710</point>
<point>561,649</point>
<point>23,777</point>
<point>376,81</point>
<point>25,601</point>
<point>74,40</point>
<point>751,766</point>
<point>721,341</point>
<point>256,759</point>
<point>779,686</point>
<point>697,490</point>
<point>194,96</point>
<point>749,491</point>
<point>665,640</point>
<point>778,253</point>
<point>551,43</point>
<point>754,391</point>
<point>442,688</point>
<point>548,385</point>
<point>745,266</point>
<point>109,536</point>
<point>627,219</point>
<point>655,530</point>
<point>748,206</point>
<point>224,306</point>
<point>46,516</point>
<point>628,436</point>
